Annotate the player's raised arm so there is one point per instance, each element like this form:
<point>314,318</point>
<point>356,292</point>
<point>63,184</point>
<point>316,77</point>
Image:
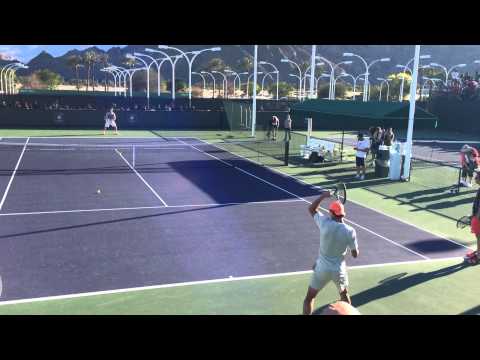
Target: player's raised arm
<point>313,208</point>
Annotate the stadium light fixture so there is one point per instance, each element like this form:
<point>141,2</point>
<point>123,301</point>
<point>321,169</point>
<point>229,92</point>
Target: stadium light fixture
<point>277,72</point>
<point>189,62</point>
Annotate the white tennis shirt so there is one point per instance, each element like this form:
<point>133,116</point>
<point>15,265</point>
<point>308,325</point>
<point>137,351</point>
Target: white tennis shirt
<point>335,239</point>
<point>363,144</point>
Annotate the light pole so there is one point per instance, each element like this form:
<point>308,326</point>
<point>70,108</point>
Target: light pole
<point>130,73</point>
<point>333,75</point>
<point>213,78</point>
<point>121,72</point>
<point>114,79</point>
<point>158,65</point>
<point>329,63</point>
<point>381,86</point>
<point>248,82</point>
<point>404,69</point>
<point>204,82</point>
<point>172,63</point>
<point>324,75</point>
<point>12,70</point>
<point>240,80</point>
<point>306,74</point>
<point>432,80</point>
<point>355,83</point>
<point>367,67</point>
<point>447,71</point>
<point>147,68</point>
<point>285,60</point>
<point>278,73</point>
<point>353,79</point>
<point>189,61</point>
<point>3,84</point>
<point>264,77</point>
<point>225,83</point>
<point>228,71</point>
<point>335,82</point>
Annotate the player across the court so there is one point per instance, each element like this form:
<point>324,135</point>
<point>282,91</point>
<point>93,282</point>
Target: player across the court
<point>110,121</point>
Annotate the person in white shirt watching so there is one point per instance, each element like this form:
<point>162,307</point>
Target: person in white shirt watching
<point>336,238</point>
<point>362,147</point>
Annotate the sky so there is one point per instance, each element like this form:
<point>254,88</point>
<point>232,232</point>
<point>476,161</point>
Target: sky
<point>25,53</point>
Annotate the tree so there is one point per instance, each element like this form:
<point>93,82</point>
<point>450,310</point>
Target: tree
<point>103,59</point>
<point>49,78</point>
<point>215,64</point>
<point>180,85</point>
<point>88,58</point>
<point>323,90</point>
<point>284,89</point>
<point>245,64</point>
<point>75,61</point>
<point>95,60</point>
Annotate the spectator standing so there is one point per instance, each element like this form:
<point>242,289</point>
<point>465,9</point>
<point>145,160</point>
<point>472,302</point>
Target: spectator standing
<point>470,161</point>
<point>275,126</point>
<point>362,147</point>
<point>388,137</point>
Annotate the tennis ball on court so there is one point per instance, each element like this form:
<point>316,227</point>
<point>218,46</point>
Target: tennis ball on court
<point>98,191</point>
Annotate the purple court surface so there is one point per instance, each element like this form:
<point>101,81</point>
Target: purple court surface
<point>78,219</point>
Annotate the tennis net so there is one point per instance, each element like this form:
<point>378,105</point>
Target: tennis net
<point>97,157</point>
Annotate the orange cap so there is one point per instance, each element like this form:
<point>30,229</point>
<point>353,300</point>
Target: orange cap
<point>337,208</point>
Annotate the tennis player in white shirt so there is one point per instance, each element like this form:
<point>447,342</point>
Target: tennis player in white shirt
<point>110,120</point>
<point>336,238</point>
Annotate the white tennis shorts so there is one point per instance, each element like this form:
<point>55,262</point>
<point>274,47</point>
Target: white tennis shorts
<point>322,277</point>
<point>109,123</point>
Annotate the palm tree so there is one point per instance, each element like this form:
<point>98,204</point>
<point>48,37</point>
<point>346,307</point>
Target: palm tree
<point>245,64</point>
<point>103,58</point>
<point>75,61</point>
<point>87,60</point>
<point>95,60</point>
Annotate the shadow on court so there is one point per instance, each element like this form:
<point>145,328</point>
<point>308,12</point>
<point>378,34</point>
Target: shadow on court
<point>473,311</point>
<point>110,221</point>
<point>398,283</point>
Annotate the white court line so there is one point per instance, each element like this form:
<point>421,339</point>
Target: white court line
<point>346,220</point>
<point>148,207</point>
<point>204,282</point>
<point>13,175</point>
<point>352,201</point>
<point>141,178</point>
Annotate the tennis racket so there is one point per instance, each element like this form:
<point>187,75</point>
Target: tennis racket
<point>463,222</point>
<point>339,192</point>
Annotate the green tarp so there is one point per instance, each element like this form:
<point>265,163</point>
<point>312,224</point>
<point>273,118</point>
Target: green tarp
<point>347,114</point>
